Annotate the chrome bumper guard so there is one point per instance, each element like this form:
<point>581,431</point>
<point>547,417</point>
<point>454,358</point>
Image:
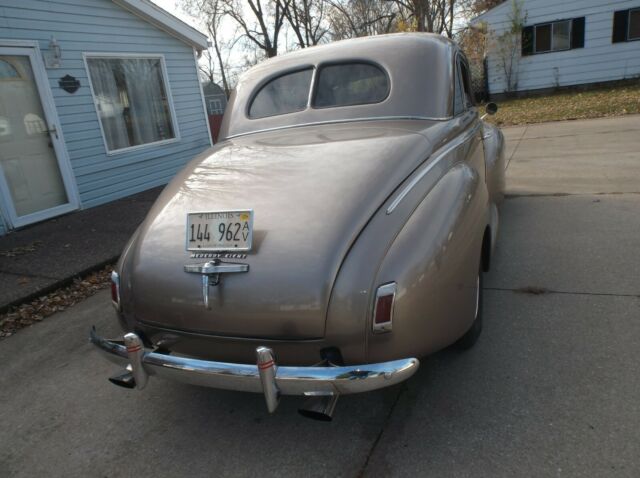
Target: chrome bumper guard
<point>265,377</point>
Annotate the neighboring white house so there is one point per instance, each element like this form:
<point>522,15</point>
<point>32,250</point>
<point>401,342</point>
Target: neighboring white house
<point>574,42</point>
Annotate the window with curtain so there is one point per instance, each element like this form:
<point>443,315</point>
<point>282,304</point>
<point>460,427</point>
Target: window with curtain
<point>131,100</point>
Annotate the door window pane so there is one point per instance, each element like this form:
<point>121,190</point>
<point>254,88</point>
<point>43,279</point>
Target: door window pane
<point>27,158</point>
<point>131,100</point>
<point>634,24</point>
<point>543,38</point>
<point>561,35</point>
<point>458,98</point>
<point>350,84</point>
<point>284,94</point>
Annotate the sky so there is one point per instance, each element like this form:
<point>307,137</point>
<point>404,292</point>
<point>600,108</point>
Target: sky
<point>170,6</point>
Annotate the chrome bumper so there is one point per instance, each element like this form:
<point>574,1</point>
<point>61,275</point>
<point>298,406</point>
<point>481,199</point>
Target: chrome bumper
<point>265,377</point>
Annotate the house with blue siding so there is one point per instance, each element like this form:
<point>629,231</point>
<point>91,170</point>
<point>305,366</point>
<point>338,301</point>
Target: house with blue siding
<point>99,99</point>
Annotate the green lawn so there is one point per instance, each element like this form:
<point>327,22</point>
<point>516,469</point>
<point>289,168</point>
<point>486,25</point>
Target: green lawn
<point>620,100</point>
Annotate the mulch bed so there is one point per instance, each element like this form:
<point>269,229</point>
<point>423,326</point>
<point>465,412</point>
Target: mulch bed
<point>29,313</point>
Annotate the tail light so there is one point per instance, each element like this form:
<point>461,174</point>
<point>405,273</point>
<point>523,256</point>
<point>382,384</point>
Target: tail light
<point>383,308</point>
<point>115,290</point>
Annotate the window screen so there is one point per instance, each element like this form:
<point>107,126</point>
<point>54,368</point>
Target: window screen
<point>285,94</point>
<point>561,35</point>
<point>350,84</point>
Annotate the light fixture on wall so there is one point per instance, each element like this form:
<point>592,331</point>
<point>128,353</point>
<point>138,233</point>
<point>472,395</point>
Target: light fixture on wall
<point>53,58</point>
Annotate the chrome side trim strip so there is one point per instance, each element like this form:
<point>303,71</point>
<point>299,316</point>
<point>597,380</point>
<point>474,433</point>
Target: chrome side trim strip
<point>437,156</point>
<point>349,120</point>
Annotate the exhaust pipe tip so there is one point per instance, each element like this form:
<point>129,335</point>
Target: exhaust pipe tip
<point>319,408</point>
<point>124,379</point>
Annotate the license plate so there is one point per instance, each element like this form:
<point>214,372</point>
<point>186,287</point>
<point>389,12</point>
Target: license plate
<point>220,230</point>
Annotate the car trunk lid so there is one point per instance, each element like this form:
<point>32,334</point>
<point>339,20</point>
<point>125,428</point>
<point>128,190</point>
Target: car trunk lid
<point>312,190</point>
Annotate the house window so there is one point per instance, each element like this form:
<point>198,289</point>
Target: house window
<point>555,36</point>
<point>215,106</point>
<point>626,25</point>
<point>8,71</point>
<point>131,98</point>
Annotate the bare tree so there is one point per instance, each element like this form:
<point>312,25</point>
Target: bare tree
<point>472,8</point>
<point>358,18</point>
<point>508,44</point>
<point>261,24</point>
<point>307,20</point>
<point>212,13</point>
<point>435,16</point>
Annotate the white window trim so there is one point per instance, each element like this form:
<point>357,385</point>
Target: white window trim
<point>31,48</point>
<point>167,87</point>
<point>629,25</point>
<point>204,106</point>
<point>535,33</point>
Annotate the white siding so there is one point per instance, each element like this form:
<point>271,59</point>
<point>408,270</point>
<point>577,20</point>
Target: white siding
<point>82,26</point>
<point>599,60</point>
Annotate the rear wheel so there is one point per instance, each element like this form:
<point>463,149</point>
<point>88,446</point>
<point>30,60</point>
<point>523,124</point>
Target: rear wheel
<point>471,336</point>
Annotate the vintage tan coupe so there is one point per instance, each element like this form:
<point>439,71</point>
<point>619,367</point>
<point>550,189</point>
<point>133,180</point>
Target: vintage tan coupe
<point>339,230</point>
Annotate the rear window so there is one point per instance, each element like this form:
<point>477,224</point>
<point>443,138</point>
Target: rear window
<point>350,84</point>
<point>285,94</point>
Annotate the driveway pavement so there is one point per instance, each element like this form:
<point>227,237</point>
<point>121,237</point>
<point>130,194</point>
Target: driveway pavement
<point>48,255</point>
<point>551,388</point>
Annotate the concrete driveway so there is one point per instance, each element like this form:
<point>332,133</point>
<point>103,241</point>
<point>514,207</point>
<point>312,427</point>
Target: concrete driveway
<point>551,389</point>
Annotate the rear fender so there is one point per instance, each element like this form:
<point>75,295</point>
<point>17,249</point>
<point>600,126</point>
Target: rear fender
<point>434,261</point>
<point>495,161</point>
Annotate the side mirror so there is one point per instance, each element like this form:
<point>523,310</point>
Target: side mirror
<point>491,108</point>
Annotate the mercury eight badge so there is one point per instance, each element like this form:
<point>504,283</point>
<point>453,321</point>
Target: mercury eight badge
<point>338,231</point>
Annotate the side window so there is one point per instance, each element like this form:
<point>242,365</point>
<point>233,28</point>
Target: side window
<point>466,83</point>
<point>458,98</point>
<point>285,94</point>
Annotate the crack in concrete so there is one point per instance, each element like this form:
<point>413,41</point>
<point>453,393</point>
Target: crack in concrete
<point>544,195</point>
<point>568,135</point>
<point>524,290</point>
<point>27,274</point>
<point>513,153</point>
<point>381,432</point>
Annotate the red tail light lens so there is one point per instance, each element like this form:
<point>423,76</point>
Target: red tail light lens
<point>115,290</point>
<point>383,308</point>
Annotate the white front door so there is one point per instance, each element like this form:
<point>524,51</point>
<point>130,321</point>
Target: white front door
<point>35,178</point>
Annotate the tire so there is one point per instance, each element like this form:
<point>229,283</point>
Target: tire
<point>470,337</point>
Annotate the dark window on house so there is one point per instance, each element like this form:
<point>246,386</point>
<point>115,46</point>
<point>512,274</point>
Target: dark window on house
<point>542,34</point>
<point>285,94</point>
<point>555,36</point>
<point>634,24</point>
<point>626,25</point>
<point>349,84</point>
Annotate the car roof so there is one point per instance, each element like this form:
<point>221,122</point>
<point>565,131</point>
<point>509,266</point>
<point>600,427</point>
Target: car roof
<point>419,66</point>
